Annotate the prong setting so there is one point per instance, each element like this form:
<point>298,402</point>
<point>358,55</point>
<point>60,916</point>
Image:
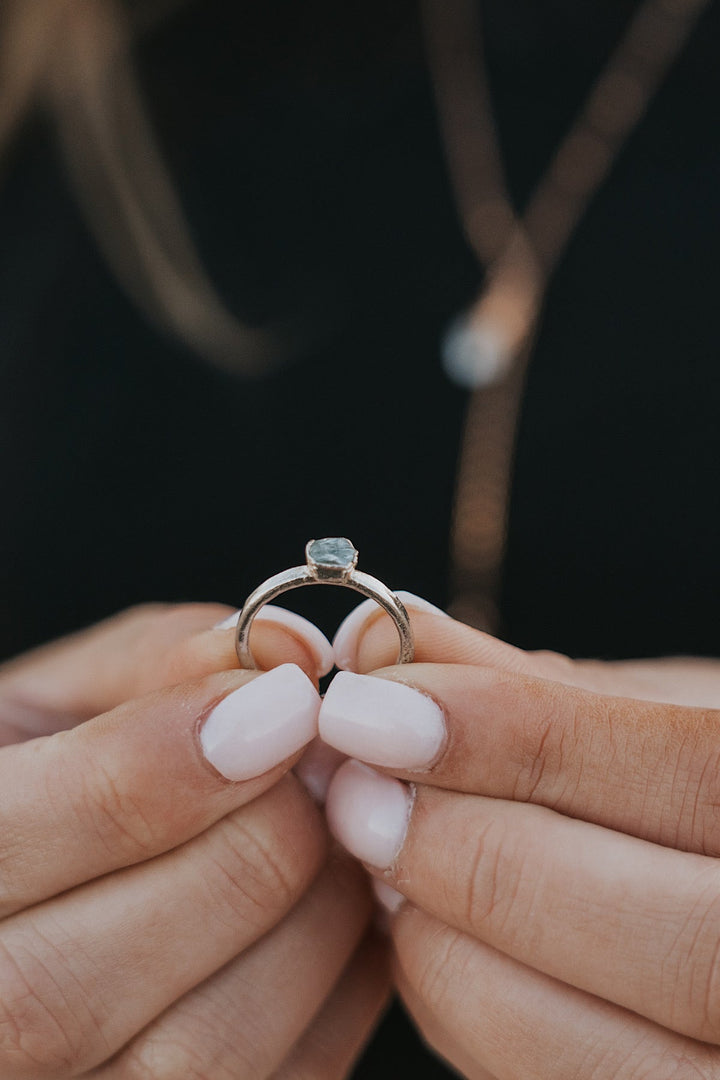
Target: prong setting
<point>329,561</point>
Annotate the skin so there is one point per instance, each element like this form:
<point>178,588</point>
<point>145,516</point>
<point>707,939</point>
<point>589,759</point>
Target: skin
<point>157,920</point>
<point>560,866</point>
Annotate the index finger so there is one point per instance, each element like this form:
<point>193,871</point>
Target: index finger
<point>367,640</point>
<point>144,778</point>
<point>635,766</point>
<point>140,650</point>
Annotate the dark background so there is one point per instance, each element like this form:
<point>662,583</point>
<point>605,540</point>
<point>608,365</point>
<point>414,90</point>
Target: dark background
<point>304,143</point>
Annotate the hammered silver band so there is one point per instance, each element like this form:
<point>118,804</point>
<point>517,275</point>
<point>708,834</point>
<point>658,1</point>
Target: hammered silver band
<point>330,561</point>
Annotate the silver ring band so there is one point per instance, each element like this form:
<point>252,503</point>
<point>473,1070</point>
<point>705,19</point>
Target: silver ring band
<point>330,561</point>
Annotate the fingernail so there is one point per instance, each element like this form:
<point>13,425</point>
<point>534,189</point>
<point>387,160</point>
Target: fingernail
<point>390,898</point>
<point>316,768</point>
<point>261,723</point>
<point>389,902</point>
<point>308,633</point>
<point>412,601</point>
<point>368,813</point>
<point>346,639</point>
<point>381,721</point>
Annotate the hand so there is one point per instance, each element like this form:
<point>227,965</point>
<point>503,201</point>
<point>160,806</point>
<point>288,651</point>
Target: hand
<point>555,840</point>
<point>167,907</point>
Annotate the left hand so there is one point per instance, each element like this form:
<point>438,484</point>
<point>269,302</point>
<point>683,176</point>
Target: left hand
<point>557,848</point>
<point>159,917</point>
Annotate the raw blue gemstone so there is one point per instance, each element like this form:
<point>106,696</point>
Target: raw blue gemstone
<point>332,551</point>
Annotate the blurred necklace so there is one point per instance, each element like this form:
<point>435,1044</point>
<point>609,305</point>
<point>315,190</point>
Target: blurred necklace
<point>489,347</point>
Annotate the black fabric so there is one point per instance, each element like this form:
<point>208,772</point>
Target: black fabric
<point>305,147</point>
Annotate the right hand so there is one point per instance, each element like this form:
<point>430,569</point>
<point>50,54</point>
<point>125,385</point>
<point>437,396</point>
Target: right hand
<point>555,855</point>
<point>158,918</point>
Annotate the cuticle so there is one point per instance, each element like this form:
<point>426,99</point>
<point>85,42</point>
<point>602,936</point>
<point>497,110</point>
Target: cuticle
<point>200,723</point>
<point>412,798</point>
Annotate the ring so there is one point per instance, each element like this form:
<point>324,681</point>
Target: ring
<point>330,561</point>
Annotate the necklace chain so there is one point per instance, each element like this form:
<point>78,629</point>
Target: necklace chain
<point>520,253</point>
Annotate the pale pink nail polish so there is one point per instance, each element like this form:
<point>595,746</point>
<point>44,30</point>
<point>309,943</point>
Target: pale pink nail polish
<point>316,768</point>
<point>381,721</point>
<point>315,640</point>
<point>368,813</point>
<point>346,639</point>
<point>389,901</point>
<point>228,623</point>
<point>410,600</point>
<point>390,898</point>
<point>261,723</point>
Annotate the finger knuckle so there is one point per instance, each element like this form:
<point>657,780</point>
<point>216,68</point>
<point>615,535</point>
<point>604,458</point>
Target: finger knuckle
<point>564,736</point>
<point>46,1022</point>
<point>254,868</point>
<point>15,878</point>
<point>699,783</point>
<point>108,809</point>
<point>436,972</point>
<point>691,971</point>
<point>493,874</point>
<point>181,1057</point>
<point>549,750</point>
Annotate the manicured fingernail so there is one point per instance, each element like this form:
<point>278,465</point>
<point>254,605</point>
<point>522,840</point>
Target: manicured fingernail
<point>390,898</point>
<point>316,768</point>
<point>410,600</point>
<point>345,642</point>
<point>381,721</point>
<point>368,813</point>
<point>230,621</point>
<point>389,901</point>
<point>308,633</point>
<point>261,723</point>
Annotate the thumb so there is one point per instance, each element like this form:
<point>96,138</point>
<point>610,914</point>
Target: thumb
<point>367,640</point>
<point>142,649</point>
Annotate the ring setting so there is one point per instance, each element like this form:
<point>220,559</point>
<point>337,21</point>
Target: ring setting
<point>329,561</point>
<point>332,559</point>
